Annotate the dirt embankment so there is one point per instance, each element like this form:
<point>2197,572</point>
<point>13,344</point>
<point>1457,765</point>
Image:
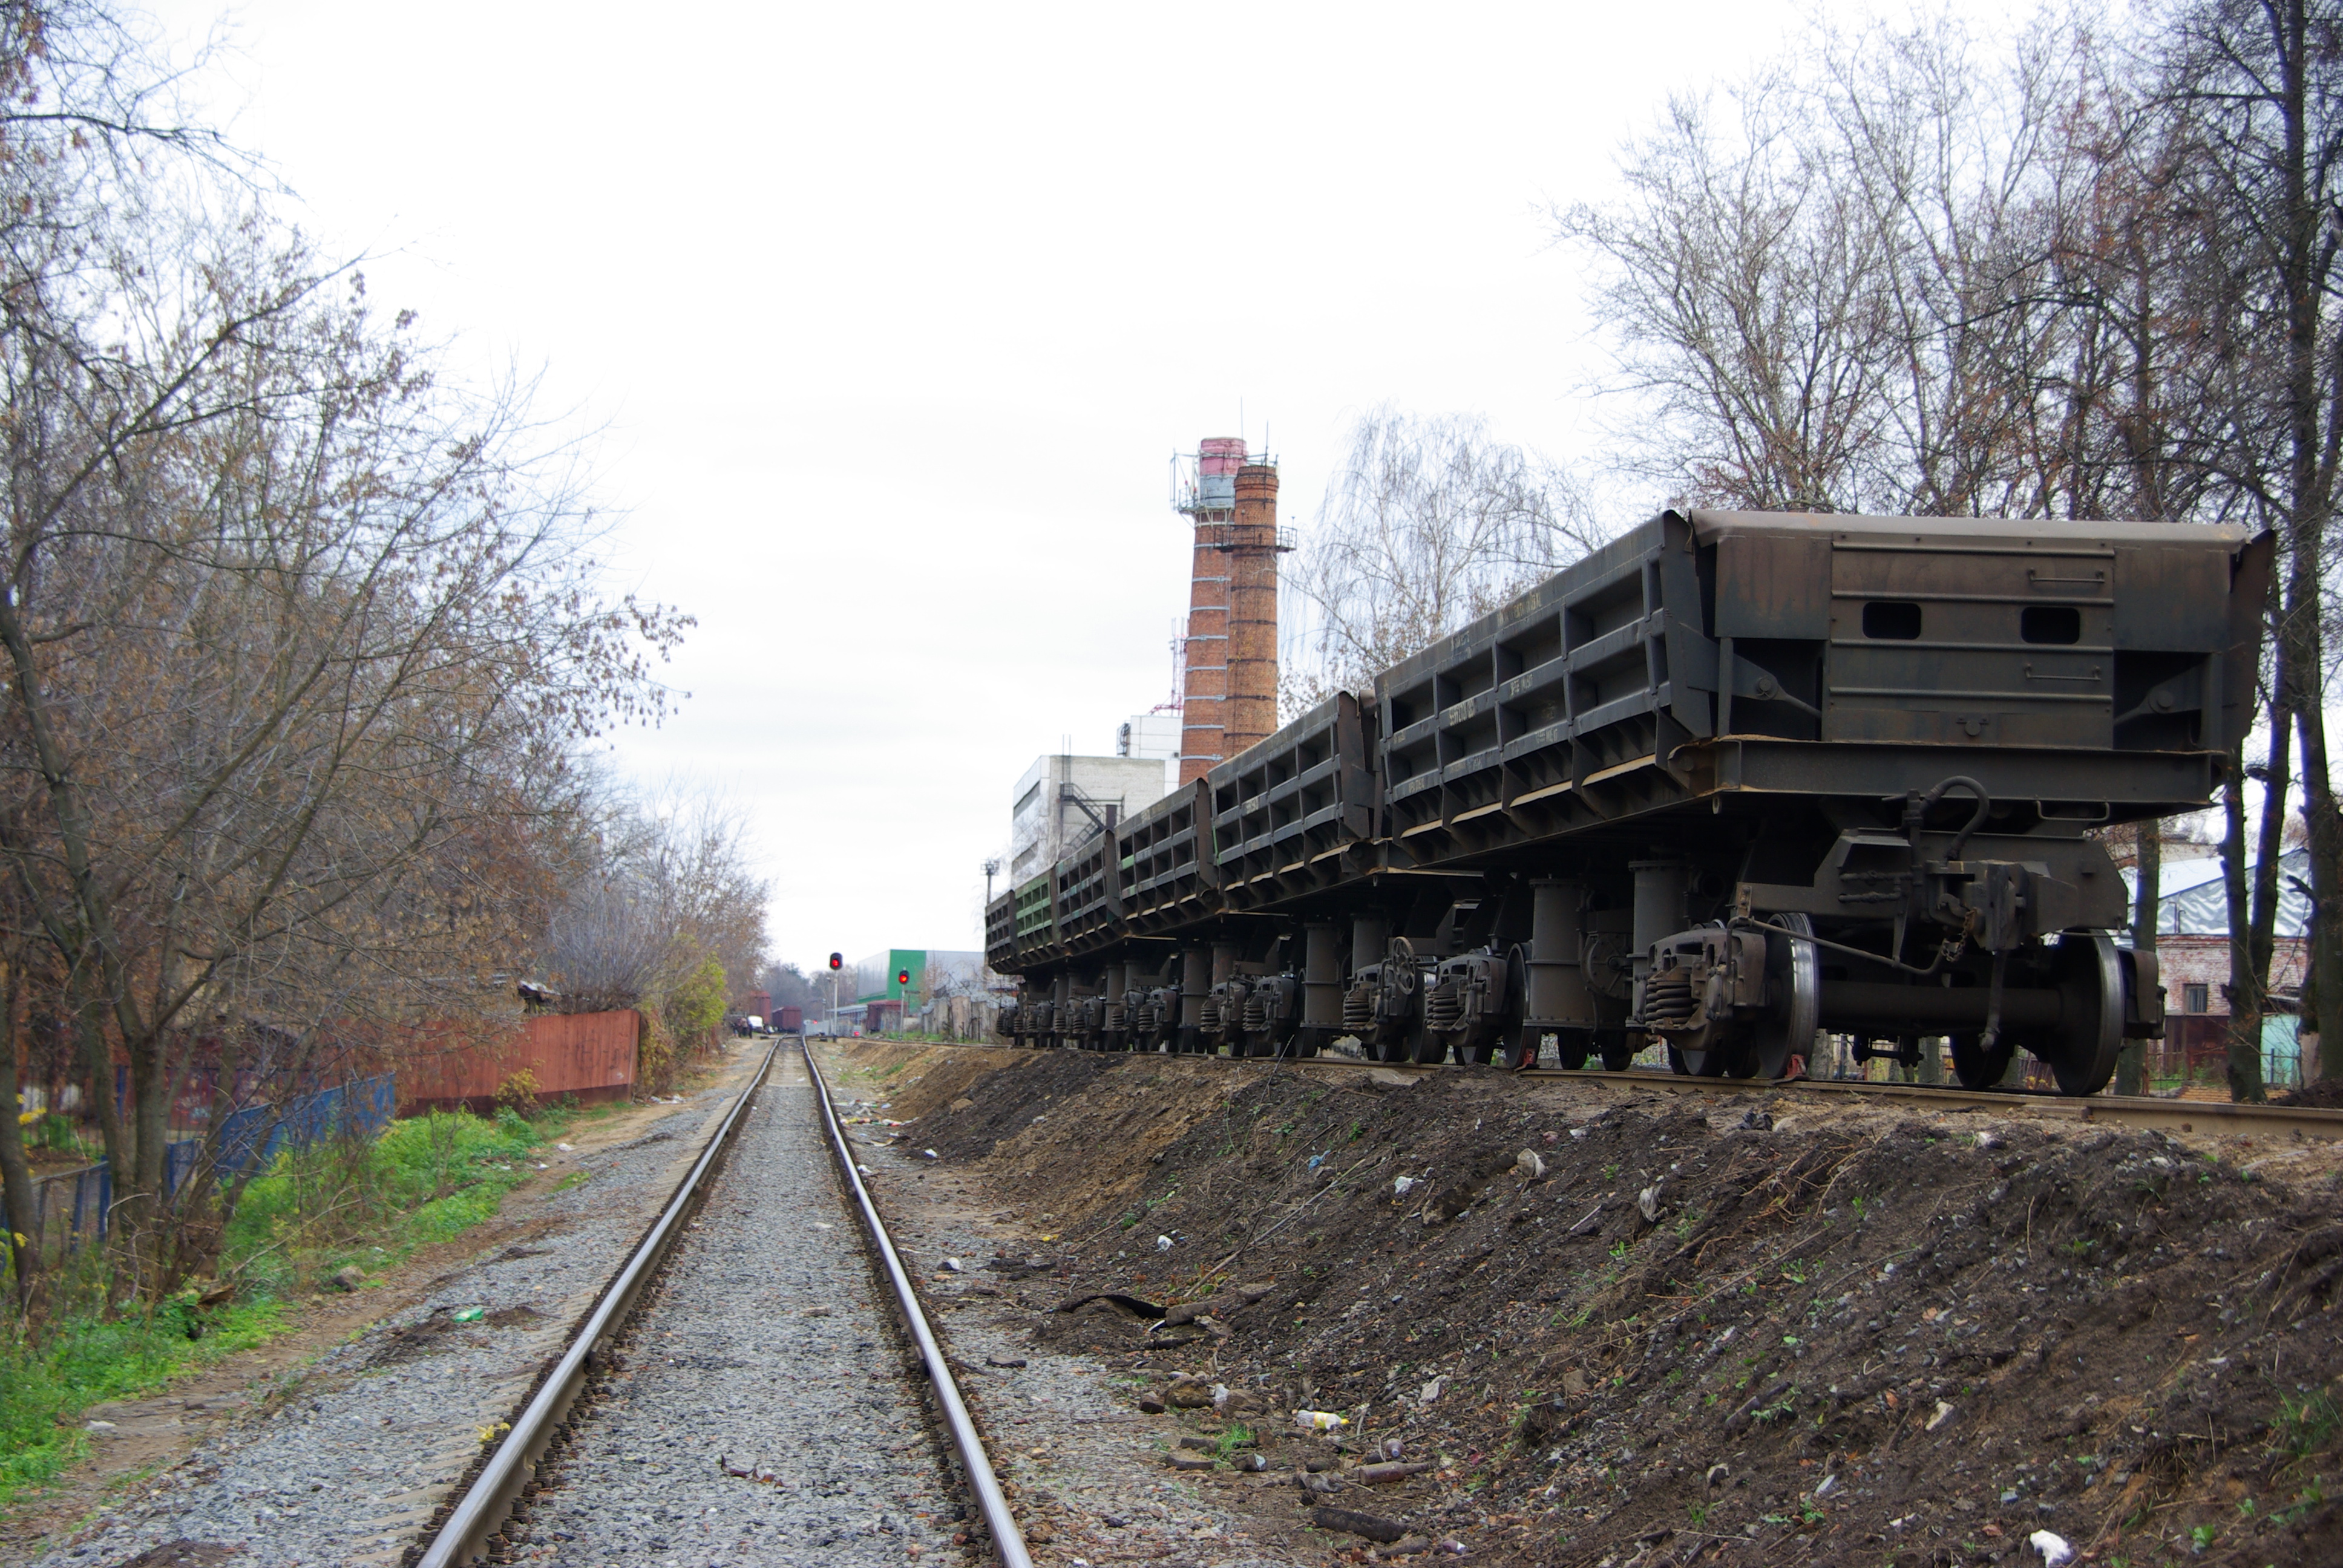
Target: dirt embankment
<point>1646,1328</point>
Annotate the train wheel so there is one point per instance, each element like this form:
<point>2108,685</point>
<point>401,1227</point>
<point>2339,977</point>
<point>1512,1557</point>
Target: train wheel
<point>1795,967</point>
<point>1617,1054</point>
<point>1430,1049</point>
<point>1570,1049</point>
<point>2082,1055</point>
<point>1522,1050</point>
<point>1978,1068</point>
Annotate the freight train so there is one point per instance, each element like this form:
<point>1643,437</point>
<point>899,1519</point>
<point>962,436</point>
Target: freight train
<point>1734,780</point>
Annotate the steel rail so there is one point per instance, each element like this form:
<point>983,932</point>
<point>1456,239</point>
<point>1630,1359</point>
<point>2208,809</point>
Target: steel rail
<point>488,1501</point>
<point>2122,1110</point>
<point>1007,1538</point>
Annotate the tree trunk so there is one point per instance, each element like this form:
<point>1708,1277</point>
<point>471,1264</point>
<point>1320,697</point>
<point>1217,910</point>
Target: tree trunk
<point>2145,906</point>
<point>2244,1056</point>
<point>24,1239</point>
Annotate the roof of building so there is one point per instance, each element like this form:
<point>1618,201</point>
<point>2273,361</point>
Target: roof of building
<point>2194,901</point>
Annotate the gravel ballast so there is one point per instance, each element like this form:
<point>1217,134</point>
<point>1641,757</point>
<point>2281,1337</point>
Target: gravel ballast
<point>759,1411</point>
<point>345,1463</point>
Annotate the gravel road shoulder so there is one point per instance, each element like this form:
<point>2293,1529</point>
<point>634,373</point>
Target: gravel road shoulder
<point>1087,1474</point>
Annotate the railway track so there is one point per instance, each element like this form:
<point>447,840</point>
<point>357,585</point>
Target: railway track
<point>2176,1116</point>
<point>733,1393</point>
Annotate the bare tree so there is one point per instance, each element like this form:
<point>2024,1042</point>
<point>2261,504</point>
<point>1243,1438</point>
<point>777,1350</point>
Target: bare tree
<point>2253,89</point>
<point>1428,524</point>
<point>293,639</point>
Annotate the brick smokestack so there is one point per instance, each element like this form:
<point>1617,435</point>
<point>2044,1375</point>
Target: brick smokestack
<point>1228,697</point>
<point>1252,610</point>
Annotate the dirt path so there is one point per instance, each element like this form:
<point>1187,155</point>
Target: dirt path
<point>133,1440</point>
<point>1623,1329</point>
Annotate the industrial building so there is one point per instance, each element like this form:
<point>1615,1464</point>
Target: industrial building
<point>1061,800</point>
<point>881,1001</point>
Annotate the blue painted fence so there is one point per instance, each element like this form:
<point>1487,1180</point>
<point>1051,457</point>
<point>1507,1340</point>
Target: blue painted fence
<point>249,1140</point>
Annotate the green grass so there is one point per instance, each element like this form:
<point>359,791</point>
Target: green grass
<point>82,1362</point>
<point>424,1180</point>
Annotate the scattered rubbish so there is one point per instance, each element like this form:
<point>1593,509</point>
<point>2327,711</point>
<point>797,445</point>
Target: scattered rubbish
<point>864,1170</point>
<point>1319,1420</point>
<point>1648,1201</point>
<point>754,1470</point>
<point>928,1153</point>
<point>1944,1414</point>
<point>564,1147</point>
<point>1549,1138</point>
<point>1373,1527</point>
<point>1163,1243</point>
<point>98,1425</point>
<point>822,1224</point>
<point>1578,1132</point>
<point>1403,1185</point>
<point>541,1165</point>
<point>2052,1547</point>
<point>1377,1474</point>
<point>1989,1138</point>
<point>1828,1485</point>
<point>1189,1392</point>
<point>1718,1473</point>
<point>1391,1448</point>
<point>1253,1463</point>
<point>1528,1164</point>
<point>471,1314</point>
<point>952,1266</point>
<point>1432,1390</point>
<point>1315,1160</point>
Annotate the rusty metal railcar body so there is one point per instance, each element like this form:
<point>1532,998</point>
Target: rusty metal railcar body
<point>1731,779</point>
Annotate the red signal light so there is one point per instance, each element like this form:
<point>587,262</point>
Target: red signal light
<point>836,962</point>
<point>902,977</point>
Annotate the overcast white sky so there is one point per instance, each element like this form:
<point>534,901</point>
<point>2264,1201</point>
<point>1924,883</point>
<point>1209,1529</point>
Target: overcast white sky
<point>891,315</point>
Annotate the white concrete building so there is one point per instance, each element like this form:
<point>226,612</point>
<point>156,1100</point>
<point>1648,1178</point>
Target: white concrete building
<point>1152,735</point>
<point>1062,800</point>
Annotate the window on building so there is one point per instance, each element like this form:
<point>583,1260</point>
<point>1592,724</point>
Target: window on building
<point>2194,998</point>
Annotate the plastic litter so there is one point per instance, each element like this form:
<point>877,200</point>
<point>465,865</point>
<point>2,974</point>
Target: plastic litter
<point>471,1314</point>
<point>1319,1420</point>
<point>563,1146</point>
<point>1944,1414</point>
<point>954,1266</point>
<point>1403,1185</point>
<point>1528,1163</point>
<point>1315,1160</point>
<point>1163,1243</point>
<point>930,1153</point>
<point>2052,1547</point>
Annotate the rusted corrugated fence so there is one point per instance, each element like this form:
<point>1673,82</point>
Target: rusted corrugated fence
<point>588,1055</point>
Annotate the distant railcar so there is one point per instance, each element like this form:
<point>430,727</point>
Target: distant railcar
<point>1734,779</point>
